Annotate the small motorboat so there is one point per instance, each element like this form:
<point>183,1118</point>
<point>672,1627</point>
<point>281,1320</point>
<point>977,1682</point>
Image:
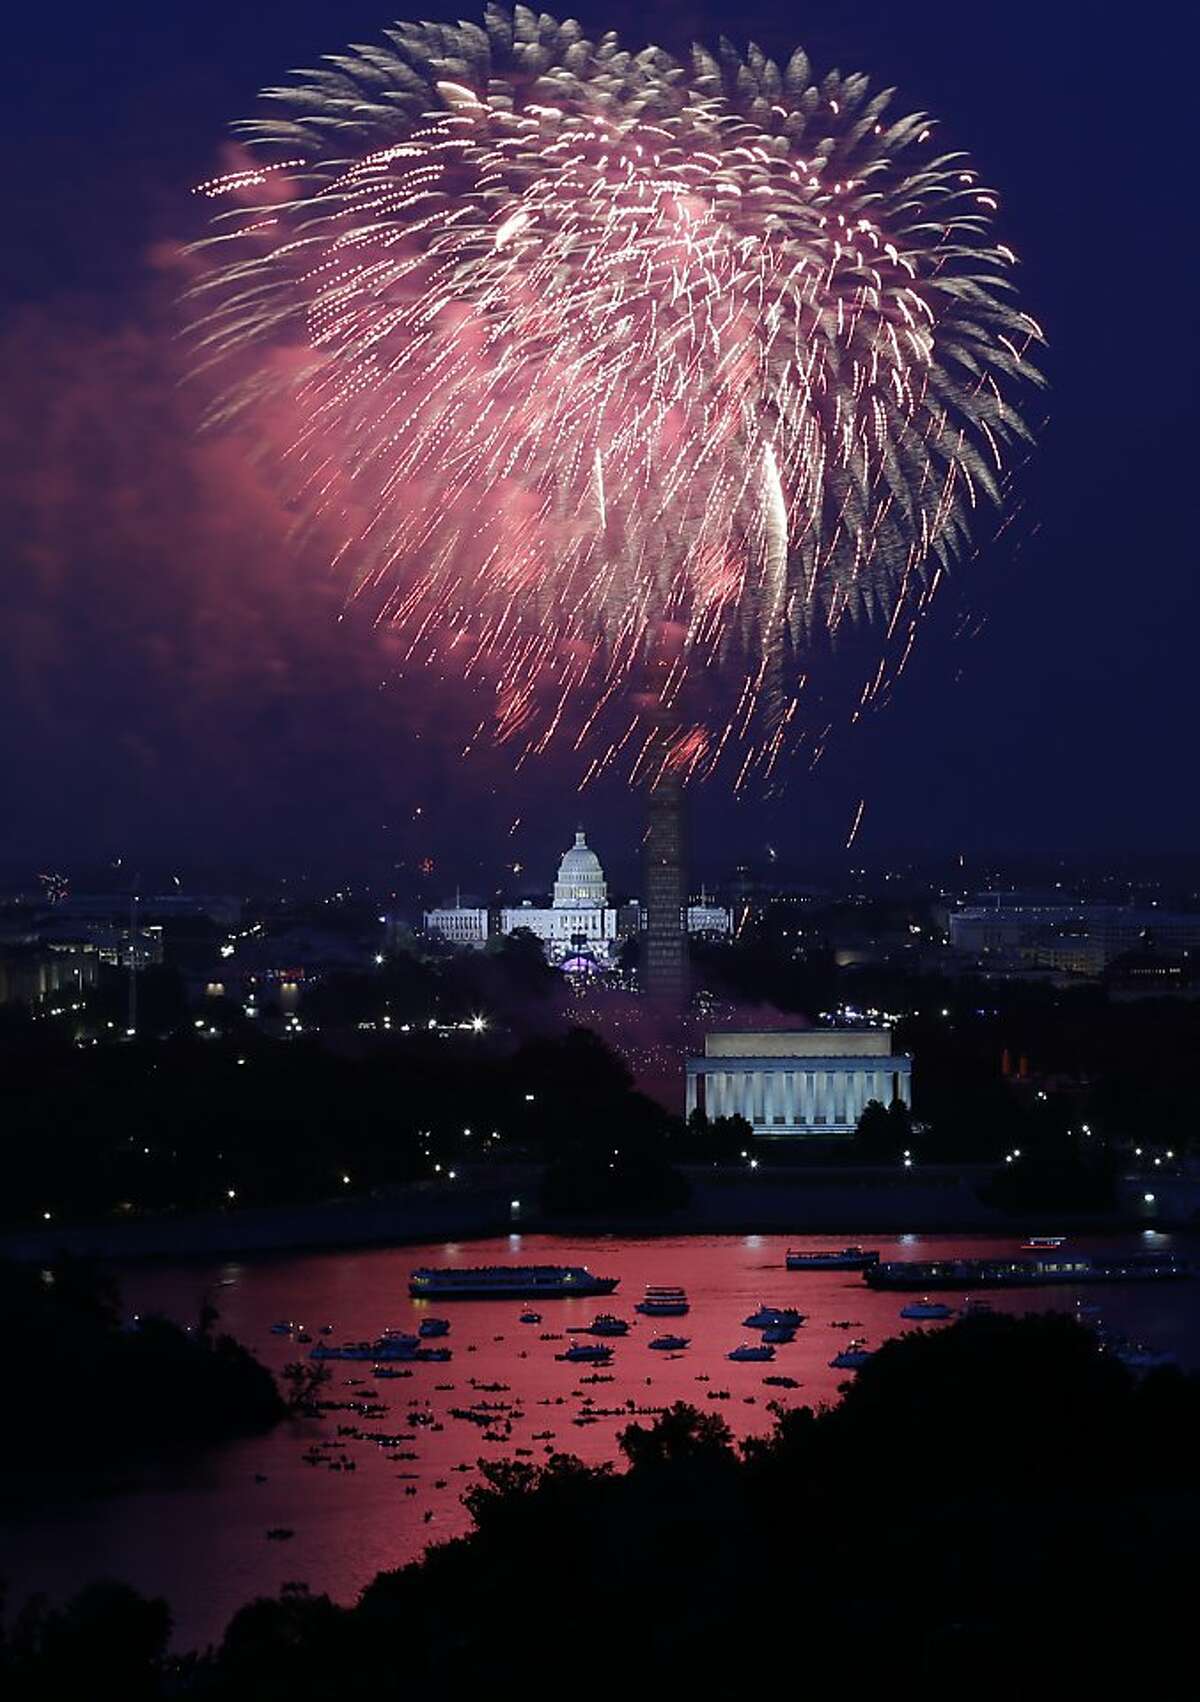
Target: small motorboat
<point>774,1318</point>
<point>927,1309</point>
<point>747,1351</point>
<point>279,1533</point>
<point>852,1357</point>
<point>586,1353</point>
<point>530,1318</point>
<point>434,1327</point>
<point>670,1344</point>
<point>779,1333</point>
<point>603,1324</point>
<point>781,1382</point>
<point>282,1328</point>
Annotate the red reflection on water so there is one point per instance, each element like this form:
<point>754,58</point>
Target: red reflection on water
<point>199,1537</point>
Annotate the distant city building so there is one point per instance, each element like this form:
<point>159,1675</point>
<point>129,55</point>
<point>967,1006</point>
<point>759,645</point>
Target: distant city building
<point>703,918</point>
<point>812,1083</point>
<point>580,879</point>
<point>113,942</point>
<point>31,973</point>
<point>1079,938</point>
<point>706,918</point>
<point>580,926</point>
<point>461,925</point>
<point>221,908</point>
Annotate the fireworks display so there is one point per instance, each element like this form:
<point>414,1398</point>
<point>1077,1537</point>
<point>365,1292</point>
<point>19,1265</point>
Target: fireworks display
<point>619,384</point>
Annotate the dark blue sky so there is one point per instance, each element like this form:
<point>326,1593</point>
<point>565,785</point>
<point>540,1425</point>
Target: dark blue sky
<point>147,702</point>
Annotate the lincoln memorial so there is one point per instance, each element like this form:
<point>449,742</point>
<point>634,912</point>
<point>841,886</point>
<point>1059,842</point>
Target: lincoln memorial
<point>814,1082</point>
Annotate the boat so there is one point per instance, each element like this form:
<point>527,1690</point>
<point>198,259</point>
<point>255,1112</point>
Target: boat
<point>927,1309</point>
<point>852,1357</point>
<point>530,1318</point>
<point>1042,1243</point>
<point>392,1346</point>
<point>779,1333</point>
<point>670,1344</point>
<point>773,1318</point>
<point>434,1327</point>
<point>828,1259</point>
<point>603,1324</point>
<point>500,1282</point>
<point>660,1301</point>
<point>781,1382</point>
<point>282,1328</point>
<point>586,1353</point>
<point>747,1351</point>
<point>1039,1272</point>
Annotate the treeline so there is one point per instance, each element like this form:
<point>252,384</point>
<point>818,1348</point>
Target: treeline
<point>993,1508</point>
<point>104,1390</point>
<point>197,1123</point>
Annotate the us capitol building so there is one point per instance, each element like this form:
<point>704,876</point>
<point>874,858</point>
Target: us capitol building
<point>579,928</point>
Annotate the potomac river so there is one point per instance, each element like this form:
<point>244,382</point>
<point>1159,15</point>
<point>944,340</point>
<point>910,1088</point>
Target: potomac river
<point>196,1533</point>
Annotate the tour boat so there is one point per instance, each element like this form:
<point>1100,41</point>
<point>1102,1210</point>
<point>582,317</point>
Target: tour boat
<point>927,1309</point>
<point>1042,1243</point>
<point>774,1317</point>
<point>827,1259</point>
<point>670,1344</point>
<point>746,1351</point>
<point>501,1282</point>
<point>586,1353</point>
<point>852,1357</point>
<point>662,1302</point>
<point>1048,1268</point>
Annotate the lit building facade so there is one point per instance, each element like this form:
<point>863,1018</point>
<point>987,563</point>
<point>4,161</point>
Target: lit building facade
<point>580,923</point>
<point>812,1083</point>
<point>1080,938</point>
<point>708,919</point>
<point>461,925</point>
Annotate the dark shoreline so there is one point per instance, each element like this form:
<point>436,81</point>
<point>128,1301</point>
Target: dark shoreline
<point>841,1200</point>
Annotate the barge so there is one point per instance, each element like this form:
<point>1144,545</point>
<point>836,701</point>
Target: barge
<point>505,1282</point>
<point>831,1259</point>
<point>1042,1271</point>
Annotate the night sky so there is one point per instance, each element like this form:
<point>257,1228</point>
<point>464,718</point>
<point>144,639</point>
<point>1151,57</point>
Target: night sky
<point>173,681</point>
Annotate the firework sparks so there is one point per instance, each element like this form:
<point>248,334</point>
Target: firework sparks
<point>585,347</point>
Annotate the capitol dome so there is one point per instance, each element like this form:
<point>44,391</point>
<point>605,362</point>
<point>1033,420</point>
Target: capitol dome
<point>580,878</point>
